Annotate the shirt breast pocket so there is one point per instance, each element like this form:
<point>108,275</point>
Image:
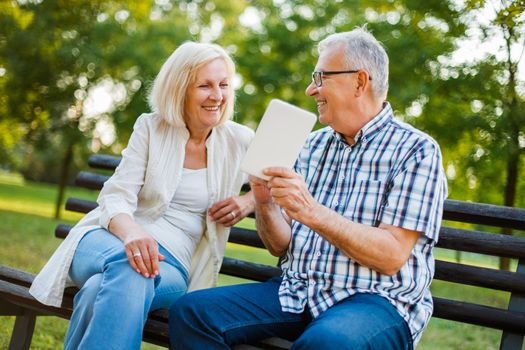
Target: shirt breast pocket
<point>366,202</point>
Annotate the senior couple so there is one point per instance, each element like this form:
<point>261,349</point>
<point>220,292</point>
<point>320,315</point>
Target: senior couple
<point>353,223</point>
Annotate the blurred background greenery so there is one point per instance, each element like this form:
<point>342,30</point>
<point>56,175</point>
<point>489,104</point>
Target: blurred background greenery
<point>74,76</point>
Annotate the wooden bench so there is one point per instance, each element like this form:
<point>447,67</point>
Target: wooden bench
<point>16,301</point>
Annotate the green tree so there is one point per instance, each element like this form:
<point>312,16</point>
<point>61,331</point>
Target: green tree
<point>276,53</point>
<point>53,53</point>
<point>481,120</point>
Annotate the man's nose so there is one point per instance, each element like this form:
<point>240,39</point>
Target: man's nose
<point>311,89</point>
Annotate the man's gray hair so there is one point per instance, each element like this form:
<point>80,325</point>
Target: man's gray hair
<point>363,51</point>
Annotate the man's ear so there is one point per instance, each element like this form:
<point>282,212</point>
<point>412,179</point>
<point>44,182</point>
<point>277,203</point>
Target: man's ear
<point>361,83</point>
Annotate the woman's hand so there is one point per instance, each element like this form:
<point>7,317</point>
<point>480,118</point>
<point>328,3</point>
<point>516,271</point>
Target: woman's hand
<point>141,248</point>
<point>230,211</point>
<point>143,254</point>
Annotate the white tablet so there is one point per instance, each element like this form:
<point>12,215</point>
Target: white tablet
<point>279,138</point>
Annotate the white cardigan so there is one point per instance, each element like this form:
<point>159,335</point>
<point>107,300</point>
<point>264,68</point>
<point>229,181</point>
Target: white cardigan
<point>142,186</point>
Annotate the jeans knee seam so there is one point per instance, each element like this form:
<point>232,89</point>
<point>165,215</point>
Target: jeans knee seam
<point>171,292</point>
<point>247,324</point>
<point>402,324</point>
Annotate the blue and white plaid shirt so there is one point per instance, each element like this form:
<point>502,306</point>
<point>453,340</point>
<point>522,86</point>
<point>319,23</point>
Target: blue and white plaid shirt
<point>393,174</point>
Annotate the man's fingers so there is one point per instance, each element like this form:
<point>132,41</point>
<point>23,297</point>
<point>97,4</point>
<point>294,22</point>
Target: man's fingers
<point>281,182</point>
<point>279,172</point>
<point>278,192</point>
<point>256,180</point>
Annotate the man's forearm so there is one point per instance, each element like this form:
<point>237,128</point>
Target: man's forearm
<point>384,249</point>
<point>273,229</point>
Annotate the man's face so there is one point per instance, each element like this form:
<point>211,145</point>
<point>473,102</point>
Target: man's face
<point>334,97</point>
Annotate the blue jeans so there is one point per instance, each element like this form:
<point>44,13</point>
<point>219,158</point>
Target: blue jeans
<point>111,308</point>
<point>222,317</point>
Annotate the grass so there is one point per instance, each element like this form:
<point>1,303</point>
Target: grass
<point>27,241</point>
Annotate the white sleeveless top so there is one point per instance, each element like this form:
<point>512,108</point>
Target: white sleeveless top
<point>181,227</point>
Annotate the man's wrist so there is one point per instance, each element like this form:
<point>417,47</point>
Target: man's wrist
<point>313,216</point>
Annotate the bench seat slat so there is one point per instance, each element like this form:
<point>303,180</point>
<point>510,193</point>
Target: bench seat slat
<point>156,332</point>
<point>19,295</point>
<point>447,309</point>
<point>10,274</point>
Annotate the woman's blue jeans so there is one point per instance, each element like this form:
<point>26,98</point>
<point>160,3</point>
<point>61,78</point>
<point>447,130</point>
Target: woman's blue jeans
<point>219,318</point>
<point>111,308</point>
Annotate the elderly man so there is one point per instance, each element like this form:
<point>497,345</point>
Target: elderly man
<point>354,225</point>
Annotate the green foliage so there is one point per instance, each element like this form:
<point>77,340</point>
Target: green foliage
<point>53,54</point>
<point>475,111</point>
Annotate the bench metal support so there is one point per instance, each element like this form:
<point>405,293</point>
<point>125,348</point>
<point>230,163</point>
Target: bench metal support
<point>23,331</point>
<point>509,340</point>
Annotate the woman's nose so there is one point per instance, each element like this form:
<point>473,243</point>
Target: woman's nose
<point>216,94</point>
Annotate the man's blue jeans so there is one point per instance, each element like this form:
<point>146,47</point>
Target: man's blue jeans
<point>222,317</point>
<point>111,308</point>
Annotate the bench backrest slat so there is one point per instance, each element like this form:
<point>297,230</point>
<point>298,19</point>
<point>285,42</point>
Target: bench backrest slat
<point>481,242</point>
<point>454,210</point>
<point>479,315</point>
<point>450,238</point>
<point>445,271</point>
<point>248,270</point>
<point>103,161</point>
<point>484,214</point>
<point>480,276</point>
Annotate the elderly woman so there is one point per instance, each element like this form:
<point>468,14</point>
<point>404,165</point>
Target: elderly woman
<point>163,218</point>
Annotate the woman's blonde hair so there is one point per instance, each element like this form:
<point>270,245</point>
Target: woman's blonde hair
<point>168,93</point>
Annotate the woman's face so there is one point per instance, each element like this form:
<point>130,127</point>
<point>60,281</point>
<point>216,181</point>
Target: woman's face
<point>206,98</point>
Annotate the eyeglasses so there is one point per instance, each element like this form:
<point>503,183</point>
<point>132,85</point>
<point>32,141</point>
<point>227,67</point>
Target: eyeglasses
<point>317,77</point>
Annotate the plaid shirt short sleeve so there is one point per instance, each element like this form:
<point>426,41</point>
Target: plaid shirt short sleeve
<point>414,200</point>
<point>393,175</point>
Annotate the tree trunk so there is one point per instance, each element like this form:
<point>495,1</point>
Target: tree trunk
<point>510,188</point>
<point>64,174</point>
<point>514,128</point>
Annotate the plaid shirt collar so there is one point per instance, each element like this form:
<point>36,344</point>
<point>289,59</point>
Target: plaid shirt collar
<point>371,128</point>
